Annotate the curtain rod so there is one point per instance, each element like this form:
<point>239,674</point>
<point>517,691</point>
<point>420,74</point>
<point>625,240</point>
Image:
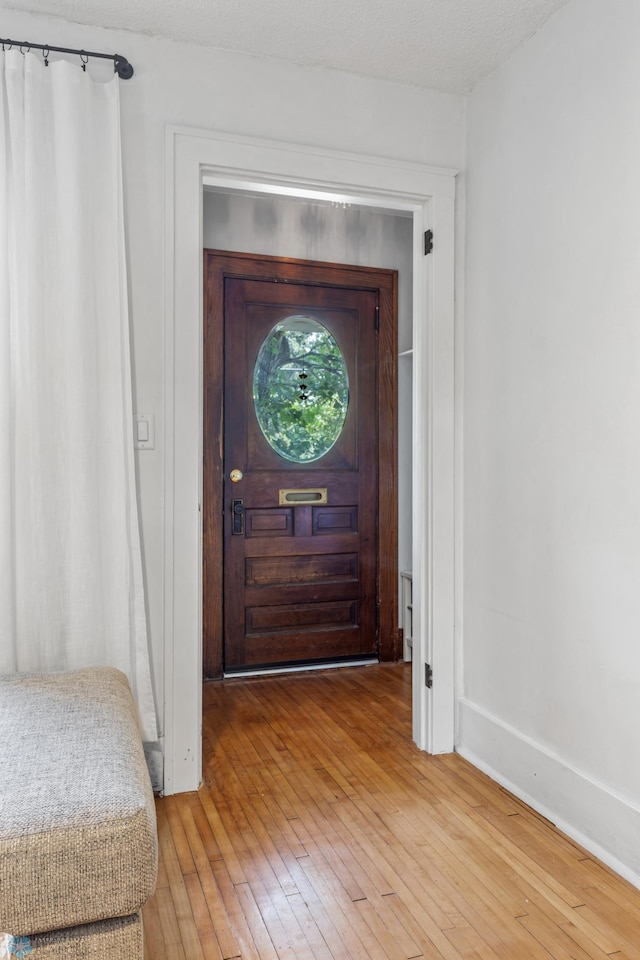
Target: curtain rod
<point>121,65</point>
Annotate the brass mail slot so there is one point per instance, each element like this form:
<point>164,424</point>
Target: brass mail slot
<point>300,497</point>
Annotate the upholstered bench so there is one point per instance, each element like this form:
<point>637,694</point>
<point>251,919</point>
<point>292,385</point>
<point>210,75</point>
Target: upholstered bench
<point>78,841</point>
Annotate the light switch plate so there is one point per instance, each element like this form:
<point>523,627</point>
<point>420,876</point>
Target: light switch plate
<point>144,431</point>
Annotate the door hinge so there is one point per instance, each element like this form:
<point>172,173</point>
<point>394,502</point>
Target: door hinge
<point>377,318</point>
<point>428,242</point>
<point>428,676</point>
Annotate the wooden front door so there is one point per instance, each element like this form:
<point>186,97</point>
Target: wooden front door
<point>298,426</point>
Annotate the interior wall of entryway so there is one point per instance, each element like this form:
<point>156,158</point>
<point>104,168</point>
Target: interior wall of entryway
<point>552,441</point>
<point>289,227</point>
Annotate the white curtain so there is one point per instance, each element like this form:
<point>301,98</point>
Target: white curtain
<point>71,591</point>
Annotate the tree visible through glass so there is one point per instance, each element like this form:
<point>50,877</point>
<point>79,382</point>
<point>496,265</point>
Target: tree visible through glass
<point>300,389</point>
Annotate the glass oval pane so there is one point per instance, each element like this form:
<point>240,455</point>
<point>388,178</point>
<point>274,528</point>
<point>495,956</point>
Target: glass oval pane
<point>300,389</point>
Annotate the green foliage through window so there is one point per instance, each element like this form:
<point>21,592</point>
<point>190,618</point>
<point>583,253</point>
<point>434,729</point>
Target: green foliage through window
<point>300,389</point>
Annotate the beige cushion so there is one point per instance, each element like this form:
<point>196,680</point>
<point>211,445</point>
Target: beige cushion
<point>118,939</point>
<point>78,838</point>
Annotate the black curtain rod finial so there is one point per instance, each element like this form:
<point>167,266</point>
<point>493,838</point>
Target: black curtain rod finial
<point>122,67</point>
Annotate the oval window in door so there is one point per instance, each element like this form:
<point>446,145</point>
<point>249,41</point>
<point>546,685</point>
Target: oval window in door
<point>300,389</point>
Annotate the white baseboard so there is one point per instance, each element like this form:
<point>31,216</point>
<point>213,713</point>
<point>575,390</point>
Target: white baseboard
<point>605,824</point>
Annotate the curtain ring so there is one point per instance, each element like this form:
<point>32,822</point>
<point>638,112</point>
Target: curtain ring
<point>84,60</point>
<point>45,54</point>
<point>27,50</point>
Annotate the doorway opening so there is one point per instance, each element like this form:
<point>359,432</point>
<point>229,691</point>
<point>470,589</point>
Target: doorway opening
<point>197,158</point>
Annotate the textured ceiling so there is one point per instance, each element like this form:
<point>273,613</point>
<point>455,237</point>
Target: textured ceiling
<point>448,45</point>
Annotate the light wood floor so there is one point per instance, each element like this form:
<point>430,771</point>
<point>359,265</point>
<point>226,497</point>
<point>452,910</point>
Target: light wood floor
<point>322,832</point>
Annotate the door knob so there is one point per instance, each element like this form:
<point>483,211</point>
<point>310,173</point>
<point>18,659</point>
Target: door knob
<point>236,475</point>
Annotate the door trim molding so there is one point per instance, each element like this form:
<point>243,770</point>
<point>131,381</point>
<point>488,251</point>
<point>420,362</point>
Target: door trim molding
<point>218,265</point>
<point>226,160</point>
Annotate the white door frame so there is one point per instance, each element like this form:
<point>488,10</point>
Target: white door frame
<point>196,156</point>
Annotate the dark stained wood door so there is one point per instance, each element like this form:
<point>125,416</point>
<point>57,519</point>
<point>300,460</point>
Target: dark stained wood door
<point>302,581</point>
<point>299,577</point>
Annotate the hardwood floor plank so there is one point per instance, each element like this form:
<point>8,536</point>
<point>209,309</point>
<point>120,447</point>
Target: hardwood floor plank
<point>618,915</point>
<point>547,885</point>
<point>256,925</point>
<point>177,892</point>
<point>326,922</point>
<point>279,827</point>
<point>169,928</point>
<point>226,846</point>
<point>396,905</point>
<point>310,928</point>
<point>211,895</point>
<point>202,825</point>
<point>262,845</point>
<point>269,886</point>
<point>256,867</point>
<point>174,815</point>
<point>202,920</point>
<point>468,944</point>
<point>619,889</point>
<point>542,847</point>
<point>359,938</point>
<point>471,785</point>
<point>280,921</point>
<point>154,943</point>
<point>566,940</point>
<point>392,935</point>
<point>604,934</point>
<point>232,914</point>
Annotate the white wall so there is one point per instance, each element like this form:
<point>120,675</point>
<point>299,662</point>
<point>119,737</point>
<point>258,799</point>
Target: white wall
<point>192,86</point>
<point>552,425</point>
